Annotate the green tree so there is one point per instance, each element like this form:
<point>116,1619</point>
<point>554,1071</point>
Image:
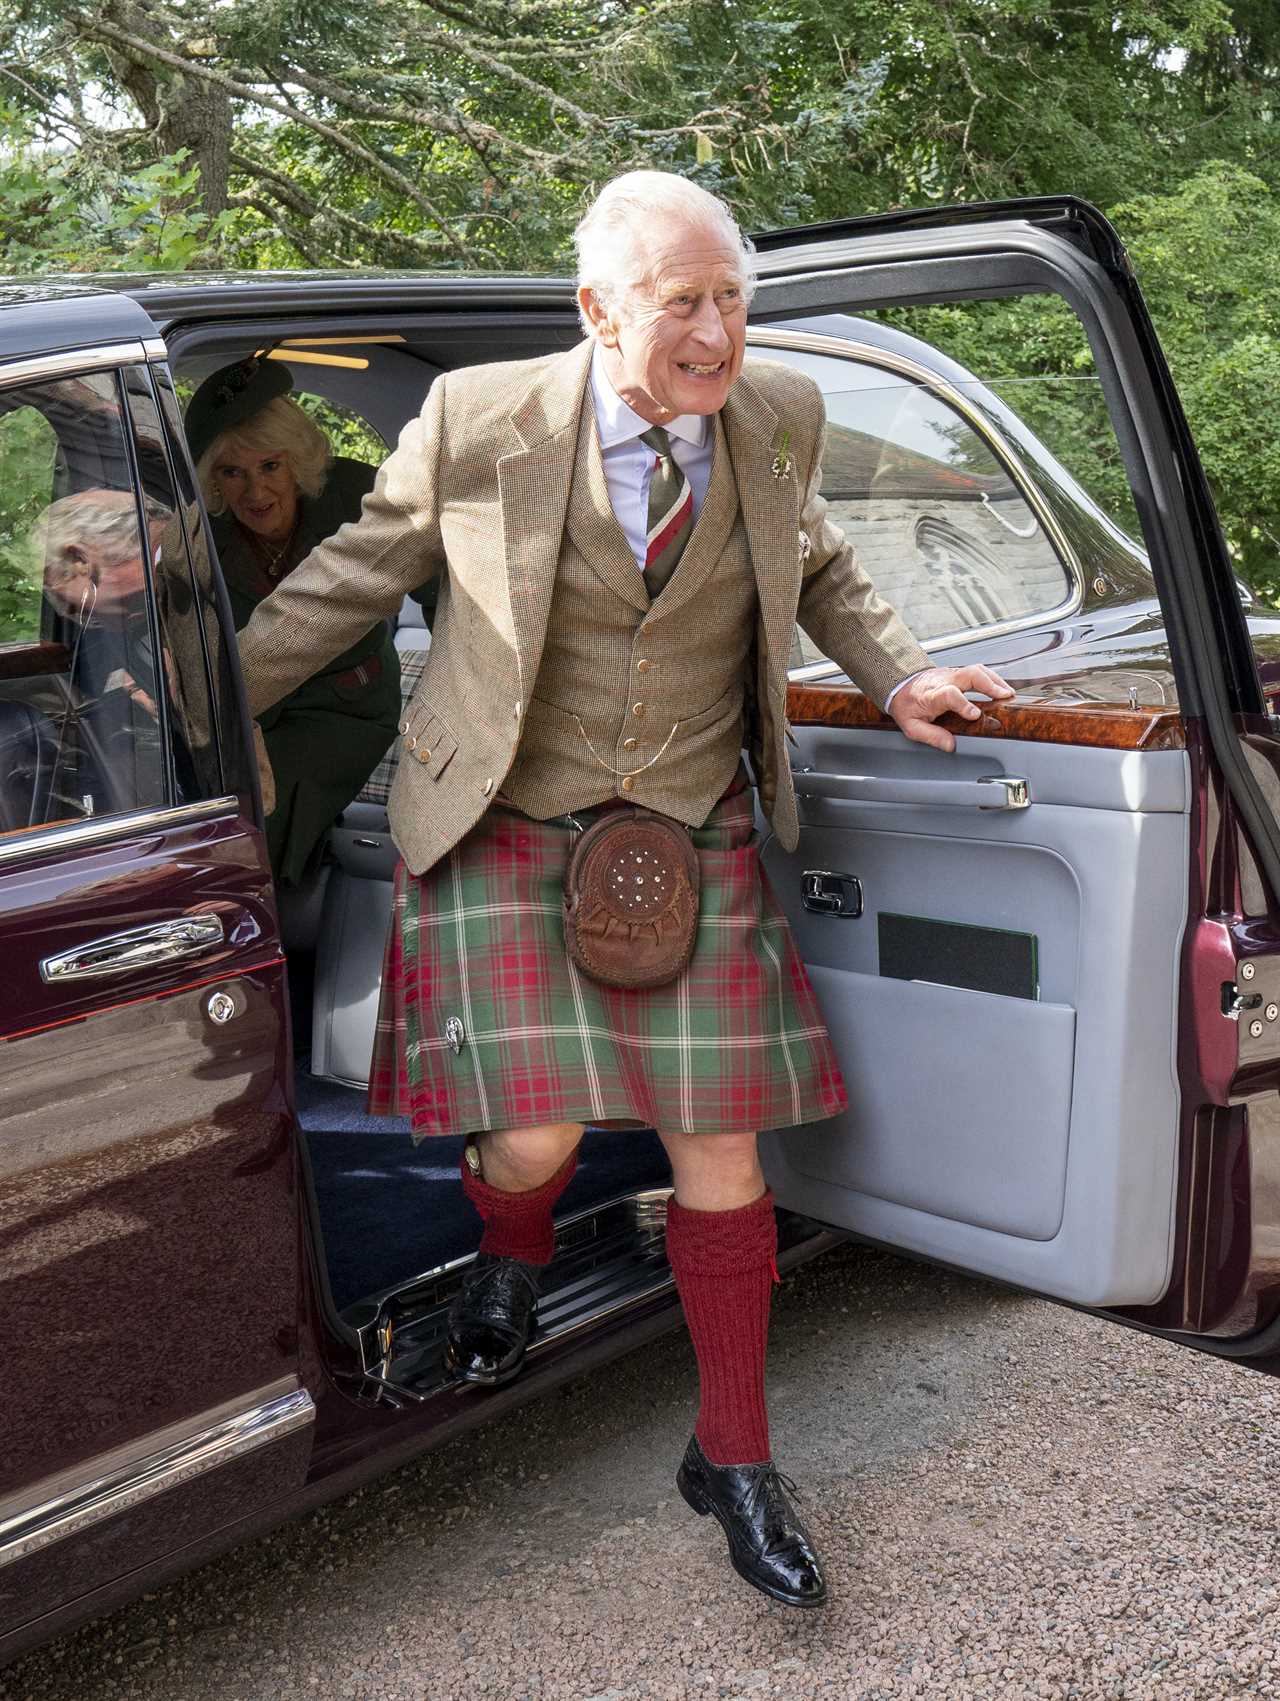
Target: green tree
<point>28,451</point>
<point>1206,257</point>
<point>82,211</point>
<point>452,132</point>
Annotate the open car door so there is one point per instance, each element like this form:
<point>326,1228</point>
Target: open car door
<point>1050,961</point>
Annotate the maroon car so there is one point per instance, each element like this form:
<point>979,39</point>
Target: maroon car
<point>1050,962</point>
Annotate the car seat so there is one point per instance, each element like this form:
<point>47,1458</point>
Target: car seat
<point>28,757</point>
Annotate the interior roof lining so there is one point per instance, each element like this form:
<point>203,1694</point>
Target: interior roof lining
<point>441,340</point>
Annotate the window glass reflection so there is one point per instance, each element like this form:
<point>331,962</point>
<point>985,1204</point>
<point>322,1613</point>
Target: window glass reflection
<point>81,728</point>
<point>938,522</point>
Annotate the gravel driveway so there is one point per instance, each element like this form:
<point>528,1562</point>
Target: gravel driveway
<point>1013,1500</point>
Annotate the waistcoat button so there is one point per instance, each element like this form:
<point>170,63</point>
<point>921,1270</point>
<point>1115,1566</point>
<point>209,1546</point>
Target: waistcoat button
<point>630,743</point>
<point>628,784</point>
<point>643,666</point>
<point>637,708</point>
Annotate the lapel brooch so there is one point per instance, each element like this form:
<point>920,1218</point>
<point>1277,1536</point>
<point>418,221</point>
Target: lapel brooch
<point>781,467</point>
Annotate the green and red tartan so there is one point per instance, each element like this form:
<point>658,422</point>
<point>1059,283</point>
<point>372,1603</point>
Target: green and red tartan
<point>736,1044</point>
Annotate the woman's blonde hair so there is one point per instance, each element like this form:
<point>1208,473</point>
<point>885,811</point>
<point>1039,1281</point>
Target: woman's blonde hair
<point>280,426</point>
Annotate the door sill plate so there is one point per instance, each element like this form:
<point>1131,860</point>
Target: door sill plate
<point>609,1258</point>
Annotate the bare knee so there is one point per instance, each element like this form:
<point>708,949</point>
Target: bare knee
<point>520,1159</point>
<point>714,1172</point>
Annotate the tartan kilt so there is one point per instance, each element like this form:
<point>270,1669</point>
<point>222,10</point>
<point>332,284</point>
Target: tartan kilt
<point>735,1044</point>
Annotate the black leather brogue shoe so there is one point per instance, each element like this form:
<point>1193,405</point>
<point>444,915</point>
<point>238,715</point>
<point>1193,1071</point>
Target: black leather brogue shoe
<point>768,1543</point>
<point>491,1319</point>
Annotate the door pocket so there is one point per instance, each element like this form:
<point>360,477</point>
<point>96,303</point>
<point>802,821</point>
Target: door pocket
<point>932,1124</point>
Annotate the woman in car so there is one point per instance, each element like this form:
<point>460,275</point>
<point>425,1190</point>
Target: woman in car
<point>274,489</point>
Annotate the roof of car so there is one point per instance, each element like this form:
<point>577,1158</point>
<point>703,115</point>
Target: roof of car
<point>45,317</point>
<point>128,299</point>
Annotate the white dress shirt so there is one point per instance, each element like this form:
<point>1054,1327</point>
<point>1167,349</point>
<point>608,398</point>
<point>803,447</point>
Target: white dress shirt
<point>628,463</point>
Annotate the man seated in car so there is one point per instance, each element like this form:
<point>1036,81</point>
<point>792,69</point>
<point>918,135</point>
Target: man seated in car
<point>95,575</point>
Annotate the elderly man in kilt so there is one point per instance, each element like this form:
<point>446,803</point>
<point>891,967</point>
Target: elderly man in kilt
<point>624,536</point>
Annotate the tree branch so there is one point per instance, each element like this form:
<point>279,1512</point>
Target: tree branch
<point>589,121</point>
<point>278,222</point>
<point>287,191</point>
<point>446,122</point>
<point>101,29</point>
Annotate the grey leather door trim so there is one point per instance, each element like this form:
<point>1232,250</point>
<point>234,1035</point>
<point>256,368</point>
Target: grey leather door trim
<point>969,1142</point>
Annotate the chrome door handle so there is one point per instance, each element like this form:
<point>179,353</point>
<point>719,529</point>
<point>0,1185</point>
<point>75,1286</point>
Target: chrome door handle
<point>136,948</point>
<point>1017,792</point>
<point>828,893</point>
<point>991,791</point>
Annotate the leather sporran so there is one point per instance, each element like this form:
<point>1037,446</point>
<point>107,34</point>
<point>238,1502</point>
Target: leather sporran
<point>631,899</point>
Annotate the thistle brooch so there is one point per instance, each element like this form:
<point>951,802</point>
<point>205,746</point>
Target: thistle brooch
<point>781,467</point>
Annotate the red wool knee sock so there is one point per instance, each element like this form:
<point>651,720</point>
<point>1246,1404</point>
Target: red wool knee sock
<point>519,1225</point>
<point>724,1263</point>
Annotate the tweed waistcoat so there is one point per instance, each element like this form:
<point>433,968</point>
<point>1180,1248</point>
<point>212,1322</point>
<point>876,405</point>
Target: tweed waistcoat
<point>636,700</point>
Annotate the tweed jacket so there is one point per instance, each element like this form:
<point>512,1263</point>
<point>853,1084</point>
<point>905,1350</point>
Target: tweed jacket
<point>477,491</point>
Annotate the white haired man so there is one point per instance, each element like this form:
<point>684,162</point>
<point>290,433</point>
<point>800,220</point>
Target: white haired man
<point>95,572</point>
<point>626,534</point>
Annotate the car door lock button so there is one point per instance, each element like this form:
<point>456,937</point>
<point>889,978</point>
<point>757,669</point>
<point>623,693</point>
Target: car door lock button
<point>221,1007</point>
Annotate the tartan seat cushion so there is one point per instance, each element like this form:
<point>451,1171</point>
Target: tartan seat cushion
<point>377,788</point>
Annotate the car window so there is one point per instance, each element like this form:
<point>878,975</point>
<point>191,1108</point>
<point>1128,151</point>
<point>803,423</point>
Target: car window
<point>349,432</point>
<point>939,522</point>
<point>186,631</point>
<point>81,716</point>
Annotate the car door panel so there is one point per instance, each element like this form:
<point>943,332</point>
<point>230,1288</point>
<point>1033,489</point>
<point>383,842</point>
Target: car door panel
<point>149,1256</point>
<point>1034,1139</point>
<point>148,1240</point>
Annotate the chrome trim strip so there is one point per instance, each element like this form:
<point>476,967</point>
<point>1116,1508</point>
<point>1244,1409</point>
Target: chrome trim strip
<point>100,829</point>
<point>115,1483</point>
<point>154,348</point>
<point>70,361</point>
<point>812,670</point>
<point>811,342</point>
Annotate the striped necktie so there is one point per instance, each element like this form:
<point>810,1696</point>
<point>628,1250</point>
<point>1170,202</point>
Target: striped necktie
<point>670,513</point>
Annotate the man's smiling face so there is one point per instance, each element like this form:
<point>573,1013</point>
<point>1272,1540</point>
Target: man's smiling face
<point>673,342</point>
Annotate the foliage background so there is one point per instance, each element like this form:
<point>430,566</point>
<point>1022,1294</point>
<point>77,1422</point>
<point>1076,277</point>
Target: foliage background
<point>141,135</point>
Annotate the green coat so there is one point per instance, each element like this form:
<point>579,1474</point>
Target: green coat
<point>325,738</point>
